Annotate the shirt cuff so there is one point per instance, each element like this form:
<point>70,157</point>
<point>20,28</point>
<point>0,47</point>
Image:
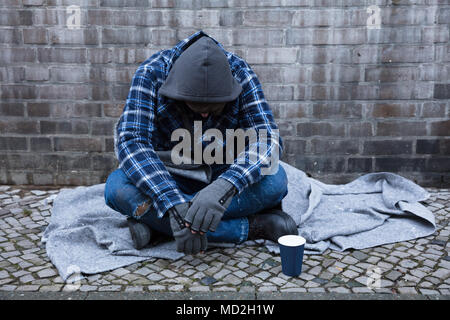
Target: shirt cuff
<point>168,200</point>
<point>235,176</point>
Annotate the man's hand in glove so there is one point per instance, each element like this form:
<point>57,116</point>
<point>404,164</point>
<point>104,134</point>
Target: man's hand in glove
<point>208,206</point>
<point>187,242</point>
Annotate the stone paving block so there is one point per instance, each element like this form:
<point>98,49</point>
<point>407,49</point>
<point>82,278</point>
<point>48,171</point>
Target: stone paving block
<point>441,273</point>
<point>47,273</point>
<point>168,273</point>
<point>199,289</point>
<point>420,266</point>
<point>407,290</point>
<point>156,288</point>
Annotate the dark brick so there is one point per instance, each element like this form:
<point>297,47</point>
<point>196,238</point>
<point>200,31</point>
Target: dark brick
<point>113,109</point>
<point>441,164</point>
<point>407,53</point>
<point>35,36</point>
<point>319,93</point>
<point>9,55</point>
<point>10,36</point>
<point>100,55</point>
<point>18,92</point>
<point>126,36</point>
<point>398,128</point>
<point>38,109</point>
<point>23,160</point>
<point>307,129</point>
<point>54,126</point>
<point>19,126</point>
<point>433,110</point>
<point>231,18</point>
<point>16,109</point>
<point>36,73</point>
<point>256,37</point>
<point>342,73</point>
<point>292,146</point>
<point>75,162</point>
<point>440,128</point>
<point>102,127</point>
<point>62,55</point>
<point>295,111</point>
<point>268,74</point>
<point>445,146</point>
<point>120,92</point>
<point>16,18</point>
<point>86,36</point>
<point>109,145</point>
<point>334,146</point>
<point>391,74</point>
<point>79,178</point>
<point>286,128</point>
<point>385,110</point>
<point>50,162</point>
<point>41,144</point>
<point>104,162</point>
<point>42,179</point>
<point>61,109</point>
<point>396,91</point>
<point>70,74</point>
<point>13,143</point>
<point>77,144</point>
<point>87,110</point>
<point>400,164</point>
<point>317,164</point>
<point>125,3</point>
<point>325,54</point>
<point>13,74</point>
<point>442,91</point>
<point>360,129</point>
<point>101,92</point>
<point>427,146</point>
<point>336,111</point>
<point>80,127</point>
<point>359,165</point>
<point>60,92</point>
<point>387,147</point>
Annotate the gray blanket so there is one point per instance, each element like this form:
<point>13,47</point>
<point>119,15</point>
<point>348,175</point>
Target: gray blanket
<point>85,236</point>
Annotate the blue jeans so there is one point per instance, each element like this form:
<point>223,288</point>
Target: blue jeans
<point>122,195</point>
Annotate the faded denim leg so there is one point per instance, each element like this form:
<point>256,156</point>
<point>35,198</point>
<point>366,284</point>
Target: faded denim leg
<point>121,195</point>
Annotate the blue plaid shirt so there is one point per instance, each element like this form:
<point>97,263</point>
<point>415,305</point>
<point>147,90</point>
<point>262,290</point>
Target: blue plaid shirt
<point>148,120</point>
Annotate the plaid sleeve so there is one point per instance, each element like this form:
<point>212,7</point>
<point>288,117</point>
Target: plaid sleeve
<point>135,151</point>
<point>261,155</point>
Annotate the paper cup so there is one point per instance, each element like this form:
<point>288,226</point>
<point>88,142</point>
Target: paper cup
<point>291,251</point>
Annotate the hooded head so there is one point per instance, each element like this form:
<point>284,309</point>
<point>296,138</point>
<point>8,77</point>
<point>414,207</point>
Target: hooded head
<point>202,77</point>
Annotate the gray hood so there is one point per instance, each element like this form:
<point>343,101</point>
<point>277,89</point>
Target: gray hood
<point>201,74</point>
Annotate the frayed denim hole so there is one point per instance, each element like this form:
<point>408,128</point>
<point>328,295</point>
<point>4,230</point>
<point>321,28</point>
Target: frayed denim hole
<point>141,210</point>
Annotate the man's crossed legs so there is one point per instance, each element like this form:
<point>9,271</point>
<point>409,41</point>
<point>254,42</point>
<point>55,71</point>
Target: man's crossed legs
<point>253,214</point>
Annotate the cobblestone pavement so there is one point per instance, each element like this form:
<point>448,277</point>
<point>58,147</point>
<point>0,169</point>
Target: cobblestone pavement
<point>417,267</point>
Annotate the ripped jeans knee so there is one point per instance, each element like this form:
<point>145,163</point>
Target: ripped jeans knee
<point>142,209</point>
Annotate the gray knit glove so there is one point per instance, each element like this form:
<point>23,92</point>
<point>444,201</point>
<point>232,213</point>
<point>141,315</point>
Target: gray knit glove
<point>186,241</point>
<point>209,204</point>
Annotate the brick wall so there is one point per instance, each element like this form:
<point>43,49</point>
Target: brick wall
<point>356,86</point>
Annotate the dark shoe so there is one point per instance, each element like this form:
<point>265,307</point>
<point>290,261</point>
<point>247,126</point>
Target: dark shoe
<point>141,234</point>
<point>270,225</point>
